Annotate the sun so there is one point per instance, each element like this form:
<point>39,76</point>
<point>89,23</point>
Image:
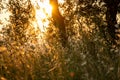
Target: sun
<point>43,11</point>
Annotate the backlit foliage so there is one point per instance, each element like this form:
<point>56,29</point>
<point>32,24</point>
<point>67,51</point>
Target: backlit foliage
<point>30,47</point>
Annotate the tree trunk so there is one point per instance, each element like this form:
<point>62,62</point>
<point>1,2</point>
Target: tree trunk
<point>59,21</point>
<point>112,8</point>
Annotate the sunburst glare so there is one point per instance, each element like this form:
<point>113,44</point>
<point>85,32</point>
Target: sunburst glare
<point>5,14</point>
<point>42,13</point>
<point>61,1</point>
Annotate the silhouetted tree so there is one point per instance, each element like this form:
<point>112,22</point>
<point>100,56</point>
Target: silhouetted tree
<point>59,21</point>
<point>112,8</point>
